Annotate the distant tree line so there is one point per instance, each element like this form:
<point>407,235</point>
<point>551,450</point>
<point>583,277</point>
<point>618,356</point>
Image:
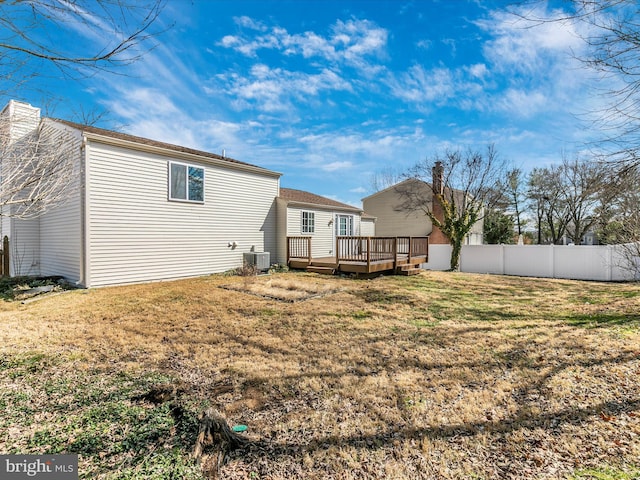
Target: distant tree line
<point>564,203</point>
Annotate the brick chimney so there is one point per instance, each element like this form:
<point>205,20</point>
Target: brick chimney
<point>437,237</point>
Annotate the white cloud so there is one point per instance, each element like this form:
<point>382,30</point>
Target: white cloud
<point>274,89</point>
<point>333,166</point>
<point>524,104</point>
<point>478,70</point>
<point>527,46</point>
<point>349,42</point>
<point>420,86</point>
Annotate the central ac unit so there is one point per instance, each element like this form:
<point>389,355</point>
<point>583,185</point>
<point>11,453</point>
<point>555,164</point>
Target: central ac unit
<point>260,260</point>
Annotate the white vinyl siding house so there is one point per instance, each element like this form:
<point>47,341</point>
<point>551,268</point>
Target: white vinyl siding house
<point>135,232</point>
<point>130,221</point>
<point>330,218</point>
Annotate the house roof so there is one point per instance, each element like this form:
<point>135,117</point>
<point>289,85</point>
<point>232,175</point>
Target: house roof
<point>396,185</point>
<point>300,196</point>
<point>125,137</point>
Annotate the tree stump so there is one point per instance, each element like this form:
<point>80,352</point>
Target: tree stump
<point>215,432</point>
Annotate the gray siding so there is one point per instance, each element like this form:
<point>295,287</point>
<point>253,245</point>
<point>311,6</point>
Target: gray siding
<point>390,222</point>
<point>135,234</point>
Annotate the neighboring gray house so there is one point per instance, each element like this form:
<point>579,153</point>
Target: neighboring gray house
<point>143,210</point>
<point>302,213</point>
<point>392,221</point>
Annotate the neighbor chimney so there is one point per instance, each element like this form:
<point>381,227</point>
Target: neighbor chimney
<point>437,237</point>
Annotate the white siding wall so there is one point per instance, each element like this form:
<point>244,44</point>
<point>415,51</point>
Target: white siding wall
<point>367,227</point>
<point>323,240</point>
<point>24,119</point>
<point>135,234</point>
<point>61,240</point>
<point>281,215</point>
<point>24,235</point>
<point>61,227</point>
<point>24,246</point>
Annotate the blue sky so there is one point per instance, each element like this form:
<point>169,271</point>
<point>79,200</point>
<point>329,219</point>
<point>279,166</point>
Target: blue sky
<point>331,93</point>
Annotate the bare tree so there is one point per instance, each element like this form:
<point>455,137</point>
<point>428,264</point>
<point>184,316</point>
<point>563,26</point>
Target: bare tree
<point>612,41</point>
<point>547,201</point>
<point>513,189</point>
<point>108,34</point>
<point>535,197</point>
<point>583,188</point>
<point>38,169</point>
<point>464,185</point>
<point>568,199</point>
<point>36,160</point>
<point>385,179</point>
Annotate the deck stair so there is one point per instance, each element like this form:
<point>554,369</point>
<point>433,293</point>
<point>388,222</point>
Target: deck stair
<point>408,269</point>
<point>321,269</point>
<point>326,266</point>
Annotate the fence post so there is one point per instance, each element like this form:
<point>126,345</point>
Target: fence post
<point>5,257</point>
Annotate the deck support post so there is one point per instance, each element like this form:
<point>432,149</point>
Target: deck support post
<point>368,254</point>
<point>410,249</point>
<point>395,254</point>
<point>309,248</point>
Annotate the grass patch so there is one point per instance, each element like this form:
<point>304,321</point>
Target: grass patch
<point>440,375</point>
<point>631,473</point>
<point>24,288</point>
<point>98,415</point>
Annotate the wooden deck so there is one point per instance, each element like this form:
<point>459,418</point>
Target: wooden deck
<point>361,255</point>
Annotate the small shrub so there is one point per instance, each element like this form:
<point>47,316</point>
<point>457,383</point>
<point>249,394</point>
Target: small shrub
<point>247,270</point>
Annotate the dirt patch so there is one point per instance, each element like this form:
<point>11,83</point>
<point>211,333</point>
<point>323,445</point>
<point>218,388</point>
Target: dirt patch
<point>284,290</point>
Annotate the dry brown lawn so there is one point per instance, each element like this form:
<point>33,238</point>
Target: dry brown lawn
<point>441,375</point>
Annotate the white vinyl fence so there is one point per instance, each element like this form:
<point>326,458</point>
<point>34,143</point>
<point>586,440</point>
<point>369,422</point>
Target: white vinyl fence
<point>579,262</point>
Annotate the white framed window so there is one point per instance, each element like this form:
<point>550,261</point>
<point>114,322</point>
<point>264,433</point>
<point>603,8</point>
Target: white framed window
<point>308,222</point>
<point>186,182</point>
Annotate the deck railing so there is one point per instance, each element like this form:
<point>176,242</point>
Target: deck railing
<point>371,249</point>
<point>413,246</point>
<point>363,249</point>
<point>299,247</point>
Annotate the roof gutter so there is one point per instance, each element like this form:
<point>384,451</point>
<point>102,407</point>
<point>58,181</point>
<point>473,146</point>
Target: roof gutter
<point>324,207</point>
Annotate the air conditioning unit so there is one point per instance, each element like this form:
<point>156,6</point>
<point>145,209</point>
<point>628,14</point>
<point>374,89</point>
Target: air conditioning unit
<point>260,260</point>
